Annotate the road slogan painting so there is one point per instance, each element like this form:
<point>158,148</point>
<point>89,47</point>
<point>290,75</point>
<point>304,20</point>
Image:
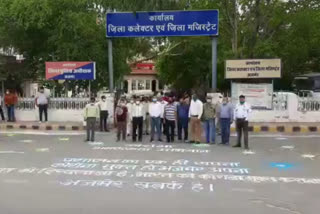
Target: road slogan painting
<point>166,23</point>
<point>70,70</point>
<point>253,68</point>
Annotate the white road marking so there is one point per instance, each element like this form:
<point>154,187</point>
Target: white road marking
<point>10,152</point>
<point>63,138</point>
<point>248,152</point>
<point>26,141</point>
<point>288,147</point>
<point>308,156</point>
<point>42,149</point>
<point>96,143</point>
<point>281,138</point>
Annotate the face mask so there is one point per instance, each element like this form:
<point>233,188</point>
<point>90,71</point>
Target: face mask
<point>131,101</point>
<point>7,92</point>
<point>154,100</point>
<point>241,102</point>
<point>208,101</point>
<point>138,102</point>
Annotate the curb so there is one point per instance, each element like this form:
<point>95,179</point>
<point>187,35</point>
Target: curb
<point>42,127</point>
<point>288,129</point>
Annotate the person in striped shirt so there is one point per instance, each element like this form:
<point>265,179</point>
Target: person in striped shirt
<point>170,117</point>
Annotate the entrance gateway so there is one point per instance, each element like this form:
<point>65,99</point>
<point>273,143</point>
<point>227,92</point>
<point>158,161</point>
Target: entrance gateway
<point>163,23</point>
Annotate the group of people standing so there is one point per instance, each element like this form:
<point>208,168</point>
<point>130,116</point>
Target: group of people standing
<point>163,115</point>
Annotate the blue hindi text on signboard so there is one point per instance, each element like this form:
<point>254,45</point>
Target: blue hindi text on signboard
<point>166,23</point>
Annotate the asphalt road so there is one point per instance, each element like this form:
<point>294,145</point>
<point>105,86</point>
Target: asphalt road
<point>59,173</point>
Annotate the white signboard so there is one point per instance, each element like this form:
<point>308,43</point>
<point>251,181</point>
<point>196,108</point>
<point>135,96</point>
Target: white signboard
<point>253,68</point>
<point>257,95</point>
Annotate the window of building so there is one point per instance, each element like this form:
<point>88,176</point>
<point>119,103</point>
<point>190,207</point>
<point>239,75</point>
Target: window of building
<point>141,85</point>
<point>134,85</point>
<point>148,84</point>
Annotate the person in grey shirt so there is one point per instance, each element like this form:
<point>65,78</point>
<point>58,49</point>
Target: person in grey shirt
<point>225,116</point>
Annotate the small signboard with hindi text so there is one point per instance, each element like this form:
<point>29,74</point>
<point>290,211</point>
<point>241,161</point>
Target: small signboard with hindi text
<point>253,68</point>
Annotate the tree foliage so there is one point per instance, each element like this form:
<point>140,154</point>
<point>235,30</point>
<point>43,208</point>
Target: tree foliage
<point>249,29</point>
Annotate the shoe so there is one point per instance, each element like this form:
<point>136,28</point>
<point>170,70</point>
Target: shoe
<point>197,142</point>
<point>236,146</point>
<point>151,140</point>
<point>186,141</point>
<point>247,148</point>
<point>160,140</point>
<point>221,143</point>
<point>86,141</point>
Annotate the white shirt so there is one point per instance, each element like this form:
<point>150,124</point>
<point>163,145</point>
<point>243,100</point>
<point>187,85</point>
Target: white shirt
<point>42,99</point>
<point>103,105</point>
<point>137,111</point>
<point>196,108</point>
<point>242,111</point>
<point>155,109</point>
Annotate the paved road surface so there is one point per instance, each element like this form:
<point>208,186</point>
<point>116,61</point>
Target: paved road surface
<point>59,173</point>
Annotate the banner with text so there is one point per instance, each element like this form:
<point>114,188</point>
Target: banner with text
<point>253,68</point>
<point>70,70</point>
<point>166,23</point>
<point>259,96</point>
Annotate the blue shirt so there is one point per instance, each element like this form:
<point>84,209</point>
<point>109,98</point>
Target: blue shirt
<point>183,111</point>
<point>226,111</point>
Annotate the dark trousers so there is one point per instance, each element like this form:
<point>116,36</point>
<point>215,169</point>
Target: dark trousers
<point>137,124</point>
<point>169,127</point>
<point>163,126</point>
<point>225,130</point>
<point>10,111</point>
<point>43,108</point>
<point>242,128</point>
<point>104,120</point>
<point>1,112</point>
<point>91,123</point>
<point>121,130</point>
<point>183,124</point>
<point>155,127</point>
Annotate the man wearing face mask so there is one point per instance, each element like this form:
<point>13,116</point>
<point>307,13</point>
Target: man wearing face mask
<point>195,113</point>
<point>183,117</point>
<point>155,111</point>
<point>91,113</point>
<point>137,116</point>
<point>121,120</point>
<point>103,107</point>
<point>42,101</point>
<point>209,120</point>
<point>129,123</point>
<point>225,115</point>
<point>170,117</point>
<point>241,116</point>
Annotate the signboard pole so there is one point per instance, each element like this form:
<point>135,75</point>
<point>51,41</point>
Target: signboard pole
<point>89,89</point>
<point>110,63</point>
<point>214,43</point>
